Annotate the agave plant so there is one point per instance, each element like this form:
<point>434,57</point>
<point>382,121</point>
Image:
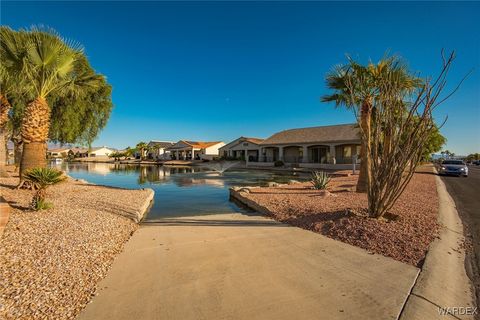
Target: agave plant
<point>320,180</point>
<point>41,179</point>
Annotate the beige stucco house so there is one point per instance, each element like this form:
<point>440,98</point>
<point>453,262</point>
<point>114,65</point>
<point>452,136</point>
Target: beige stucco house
<point>100,152</point>
<point>243,148</point>
<point>58,152</point>
<point>195,150</point>
<point>328,147</point>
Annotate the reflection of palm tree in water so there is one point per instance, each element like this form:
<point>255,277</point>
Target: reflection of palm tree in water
<point>153,174</point>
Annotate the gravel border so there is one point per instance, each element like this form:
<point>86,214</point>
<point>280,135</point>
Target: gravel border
<point>337,214</point>
<point>52,260</point>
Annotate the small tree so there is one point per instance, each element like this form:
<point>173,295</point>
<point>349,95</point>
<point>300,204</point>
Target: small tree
<point>433,144</point>
<point>41,178</point>
<point>409,120</point>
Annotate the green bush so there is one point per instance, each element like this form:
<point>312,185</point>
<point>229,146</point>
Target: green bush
<point>41,204</point>
<point>320,180</point>
<point>41,178</point>
<point>278,163</point>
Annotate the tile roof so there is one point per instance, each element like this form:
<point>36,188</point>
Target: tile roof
<point>161,144</point>
<point>59,150</point>
<point>241,140</point>
<point>253,140</point>
<point>195,144</point>
<point>324,134</point>
<point>79,150</point>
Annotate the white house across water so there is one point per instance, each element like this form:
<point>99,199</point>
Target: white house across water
<point>244,148</point>
<point>195,150</point>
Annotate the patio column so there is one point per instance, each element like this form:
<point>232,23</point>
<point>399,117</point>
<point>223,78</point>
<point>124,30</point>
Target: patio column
<point>246,156</point>
<point>305,154</point>
<point>332,154</point>
<point>280,153</point>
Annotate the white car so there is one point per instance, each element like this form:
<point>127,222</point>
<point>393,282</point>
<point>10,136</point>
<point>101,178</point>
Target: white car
<point>453,167</point>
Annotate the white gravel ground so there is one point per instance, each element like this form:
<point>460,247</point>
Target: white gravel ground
<point>51,261</point>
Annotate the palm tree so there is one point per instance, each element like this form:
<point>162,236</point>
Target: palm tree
<point>41,178</point>
<point>10,84</point>
<point>4,110</point>
<point>142,147</point>
<point>357,87</point>
<point>47,63</point>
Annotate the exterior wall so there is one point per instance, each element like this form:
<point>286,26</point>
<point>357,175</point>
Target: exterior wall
<point>292,154</point>
<point>101,152</point>
<point>270,154</point>
<point>330,153</point>
<point>58,154</point>
<point>238,147</point>
<point>214,150</point>
<point>345,153</point>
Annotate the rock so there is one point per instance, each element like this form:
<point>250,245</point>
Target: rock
<point>293,182</point>
<point>324,193</point>
<point>272,184</point>
<point>246,190</point>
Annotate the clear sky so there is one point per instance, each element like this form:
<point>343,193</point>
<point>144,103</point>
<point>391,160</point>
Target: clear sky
<point>219,70</point>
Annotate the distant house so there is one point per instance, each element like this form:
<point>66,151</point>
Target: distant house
<point>243,148</point>
<point>59,153</point>
<point>335,146</point>
<point>158,150</point>
<point>79,152</point>
<point>195,150</point>
<point>100,151</point>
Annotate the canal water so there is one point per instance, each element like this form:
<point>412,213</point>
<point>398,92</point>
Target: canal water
<point>179,191</point>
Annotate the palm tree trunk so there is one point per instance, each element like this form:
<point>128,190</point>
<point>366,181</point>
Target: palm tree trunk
<point>17,150</point>
<point>33,156</point>
<point>365,123</point>
<point>35,126</point>
<point>4,109</point>
<point>3,153</point>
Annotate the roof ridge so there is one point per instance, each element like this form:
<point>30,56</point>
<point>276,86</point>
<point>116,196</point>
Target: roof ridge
<point>332,125</point>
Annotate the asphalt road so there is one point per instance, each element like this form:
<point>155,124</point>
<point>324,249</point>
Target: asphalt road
<point>465,193</point>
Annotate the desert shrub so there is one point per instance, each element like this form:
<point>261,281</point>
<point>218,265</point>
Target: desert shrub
<point>320,180</point>
<point>41,178</point>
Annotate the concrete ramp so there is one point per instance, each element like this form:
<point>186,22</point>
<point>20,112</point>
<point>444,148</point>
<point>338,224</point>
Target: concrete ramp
<point>233,266</point>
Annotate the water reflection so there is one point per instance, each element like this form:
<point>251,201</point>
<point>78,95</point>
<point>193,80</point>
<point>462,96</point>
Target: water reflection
<point>179,190</point>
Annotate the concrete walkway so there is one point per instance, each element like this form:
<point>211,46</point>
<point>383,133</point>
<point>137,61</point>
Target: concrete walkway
<point>234,266</point>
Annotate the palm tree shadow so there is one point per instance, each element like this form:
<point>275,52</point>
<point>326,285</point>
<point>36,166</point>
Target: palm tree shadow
<point>8,186</point>
<point>19,207</point>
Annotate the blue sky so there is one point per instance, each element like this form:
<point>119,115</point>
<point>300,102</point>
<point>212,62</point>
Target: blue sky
<point>218,70</point>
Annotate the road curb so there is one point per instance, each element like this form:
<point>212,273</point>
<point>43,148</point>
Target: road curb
<point>443,280</point>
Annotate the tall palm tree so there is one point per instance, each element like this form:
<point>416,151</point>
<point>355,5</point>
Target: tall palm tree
<point>142,147</point>
<point>4,110</point>
<point>47,63</point>
<point>357,87</point>
<point>10,84</point>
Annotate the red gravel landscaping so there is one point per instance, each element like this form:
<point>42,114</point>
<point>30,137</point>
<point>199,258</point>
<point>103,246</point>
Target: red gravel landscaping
<point>405,238</point>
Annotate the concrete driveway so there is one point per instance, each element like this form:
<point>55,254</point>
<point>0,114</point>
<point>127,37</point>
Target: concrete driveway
<point>234,266</point>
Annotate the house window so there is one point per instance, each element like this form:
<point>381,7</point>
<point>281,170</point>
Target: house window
<point>347,152</point>
<point>245,144</point>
